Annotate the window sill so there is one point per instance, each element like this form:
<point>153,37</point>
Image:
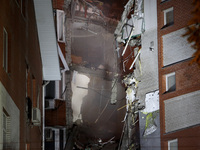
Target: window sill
<point>164,1</point>
<point>170,91</point>
<point>167,25</point>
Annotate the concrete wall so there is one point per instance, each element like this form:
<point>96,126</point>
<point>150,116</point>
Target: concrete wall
<point>7,103</point>
<point>148,73</point>
<point>150,17</point>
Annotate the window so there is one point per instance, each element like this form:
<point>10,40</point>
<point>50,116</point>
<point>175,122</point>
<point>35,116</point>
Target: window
<point>170,82</point>
<point>5,50</point>
<point>173,144</point>
<point>60,25</point>
<point>168,17</point>
<point>6,129</point>
<point>28,146</point>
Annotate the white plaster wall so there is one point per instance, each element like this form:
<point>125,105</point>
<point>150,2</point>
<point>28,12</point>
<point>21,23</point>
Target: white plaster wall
<point>80,80</point>
<point>148,73</point>
<point>8,104</point>
<point>176,47</point>
<point>150,14</point>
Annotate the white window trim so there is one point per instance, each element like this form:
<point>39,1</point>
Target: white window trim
<point>165,12</point>
<point>58,25</point>
<point>6,130</point>
<point>166,79</point>
<point>63,85</point>
<point>171,141</point>
<point>5,50</point>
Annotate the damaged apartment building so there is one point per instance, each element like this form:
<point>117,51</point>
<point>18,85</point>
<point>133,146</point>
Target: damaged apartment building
<point>98,74</point>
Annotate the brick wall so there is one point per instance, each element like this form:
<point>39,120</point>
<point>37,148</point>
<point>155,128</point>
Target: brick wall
<point>187,76</point>
<point>58,4</point>
<point>57,116</point>
<point>23,51</point>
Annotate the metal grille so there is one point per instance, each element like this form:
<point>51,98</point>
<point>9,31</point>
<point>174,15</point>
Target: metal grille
<point>182,111</point>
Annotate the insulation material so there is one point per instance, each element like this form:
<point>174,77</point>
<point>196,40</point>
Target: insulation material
<point>151,102</point>
<point>130,94</point>
<point>138,8</point>
<point>150,125</point>
<point>128,80</point>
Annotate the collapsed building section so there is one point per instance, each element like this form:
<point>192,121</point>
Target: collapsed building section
<point>136,36</point>
<point>97,91</point>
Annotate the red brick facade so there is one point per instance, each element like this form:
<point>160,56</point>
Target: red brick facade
<point>187,76</point>
<point>57,116</point>
<point>58,4</point>
<point>24,57</point>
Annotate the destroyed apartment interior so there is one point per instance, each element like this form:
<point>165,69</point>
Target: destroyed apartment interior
<point>100,74</point>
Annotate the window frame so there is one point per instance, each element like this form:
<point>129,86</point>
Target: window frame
<point>60,25</point>
<point>166,79</point>
<point>165,17</point>
<point>171,141</point>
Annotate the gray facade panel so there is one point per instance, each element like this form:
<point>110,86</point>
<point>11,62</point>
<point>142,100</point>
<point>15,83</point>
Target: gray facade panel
<point>182,111</point>
<point>176,47</point>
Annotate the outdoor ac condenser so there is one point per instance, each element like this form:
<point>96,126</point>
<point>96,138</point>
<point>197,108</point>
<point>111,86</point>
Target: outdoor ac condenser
<point>36,116</point>
<point>48,134</point>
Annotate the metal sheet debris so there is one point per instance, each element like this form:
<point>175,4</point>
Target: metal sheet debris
<point>151,102</point>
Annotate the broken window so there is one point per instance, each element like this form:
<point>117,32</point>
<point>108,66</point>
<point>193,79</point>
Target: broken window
<point>168,16</point>
<point>173,144</point>
<point>170,82</point>
<point>60,25</point>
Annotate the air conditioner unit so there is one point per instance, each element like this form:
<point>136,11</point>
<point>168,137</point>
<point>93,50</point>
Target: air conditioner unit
<point>49,104</point>
<point>48,134</point>
<point>36,116</point>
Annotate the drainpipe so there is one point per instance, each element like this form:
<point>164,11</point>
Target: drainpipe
<point>43,114</point>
